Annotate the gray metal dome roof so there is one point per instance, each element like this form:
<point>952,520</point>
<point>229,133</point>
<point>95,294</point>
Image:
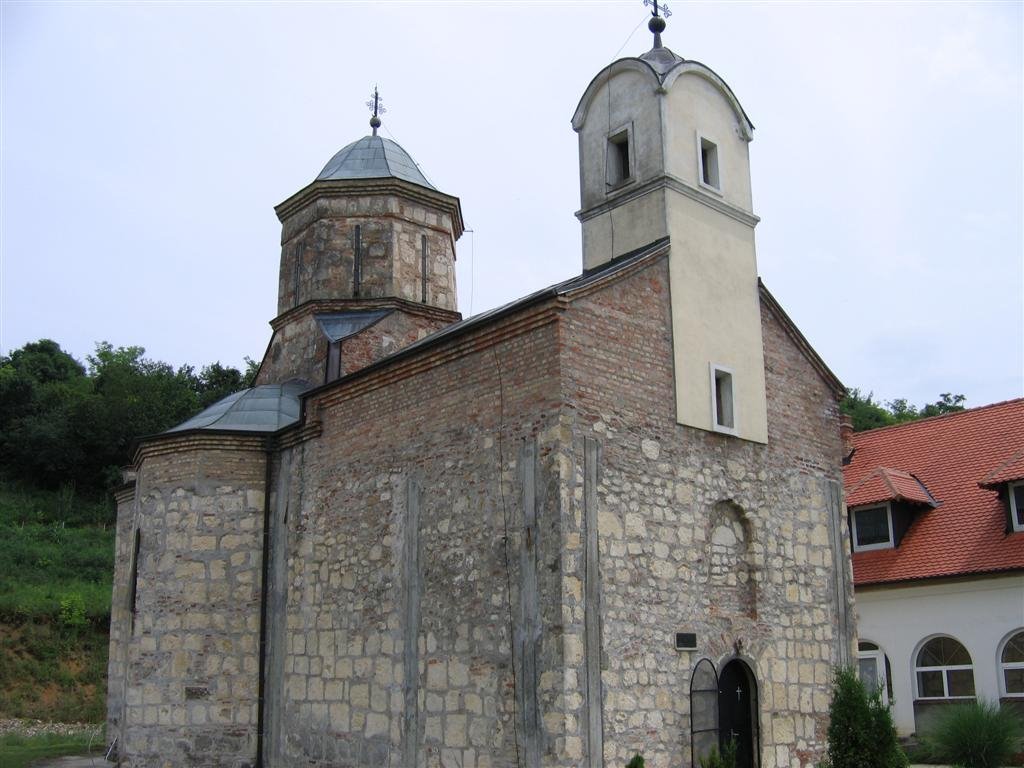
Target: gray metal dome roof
<point>266,408</point>
<point>373,157</point>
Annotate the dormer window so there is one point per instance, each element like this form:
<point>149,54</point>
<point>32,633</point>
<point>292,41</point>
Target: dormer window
<point>620,156</point>
<point>872,528</point>
<point>1017,506</point>
<point>707,160</point>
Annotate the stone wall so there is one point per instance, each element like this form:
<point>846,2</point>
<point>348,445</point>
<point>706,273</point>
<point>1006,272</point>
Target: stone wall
<point>698,532</point>
<point>190,653</point>
<point>318,250</point>
<point>413,523</point>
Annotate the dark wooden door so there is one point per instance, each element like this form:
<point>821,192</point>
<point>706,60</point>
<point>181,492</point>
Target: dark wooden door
<point>737,712</point>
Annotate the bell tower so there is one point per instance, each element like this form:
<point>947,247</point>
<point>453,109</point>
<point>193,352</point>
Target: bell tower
<point>367,262</point>
<point>664,151</point>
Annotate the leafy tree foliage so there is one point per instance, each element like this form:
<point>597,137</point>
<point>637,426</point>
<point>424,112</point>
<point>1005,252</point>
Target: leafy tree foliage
<point>62,423</point>
<point>867,413</point>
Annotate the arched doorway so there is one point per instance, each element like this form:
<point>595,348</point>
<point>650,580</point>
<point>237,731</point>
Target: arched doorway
<point>738,712</point>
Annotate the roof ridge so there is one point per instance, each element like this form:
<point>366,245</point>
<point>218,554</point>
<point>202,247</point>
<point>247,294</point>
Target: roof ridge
<point>928,419</point>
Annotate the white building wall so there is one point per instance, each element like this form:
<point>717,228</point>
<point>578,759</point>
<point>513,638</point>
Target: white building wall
<point>978,612</point>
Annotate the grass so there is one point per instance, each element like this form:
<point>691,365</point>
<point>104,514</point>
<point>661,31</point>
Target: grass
<point>56,567</point>
<point>45,560</point>
<point>17,751</point>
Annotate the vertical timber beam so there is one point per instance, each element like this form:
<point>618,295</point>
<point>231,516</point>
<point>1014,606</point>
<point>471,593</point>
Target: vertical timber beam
<point>834,500</point>
<point>592,607</point>
<point>276,587</point>
<point>413,578</point>
<point>527,634</point>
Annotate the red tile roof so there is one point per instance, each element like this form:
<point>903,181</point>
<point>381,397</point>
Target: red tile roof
<point>1010,470</point>
<point>950,455</point>
<point>885,484</point>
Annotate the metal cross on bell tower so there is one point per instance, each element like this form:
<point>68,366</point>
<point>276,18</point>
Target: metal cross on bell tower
<point>657,22</point>
<point>376,105</point>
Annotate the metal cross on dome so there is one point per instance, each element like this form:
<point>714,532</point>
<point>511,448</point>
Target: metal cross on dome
<point>376,105</point>
<point>663,7</point>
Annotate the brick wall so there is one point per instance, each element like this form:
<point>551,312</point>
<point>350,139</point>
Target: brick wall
<point>699,532</point>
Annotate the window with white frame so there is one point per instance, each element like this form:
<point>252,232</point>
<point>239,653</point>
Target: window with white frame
<point>1017,506</point>
<point>943,670</point>
<point>874,670</point>
<point>872,528</point>
<point>619,158</point>
<point>707,161</point>
<point>1011,666</point>
<point>723,404</point>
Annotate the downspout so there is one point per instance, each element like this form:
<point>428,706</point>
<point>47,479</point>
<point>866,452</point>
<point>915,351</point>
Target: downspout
<point>264,584</point>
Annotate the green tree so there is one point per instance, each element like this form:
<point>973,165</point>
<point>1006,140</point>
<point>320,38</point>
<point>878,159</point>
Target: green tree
<point>864,411</point>
<point>947,403</point>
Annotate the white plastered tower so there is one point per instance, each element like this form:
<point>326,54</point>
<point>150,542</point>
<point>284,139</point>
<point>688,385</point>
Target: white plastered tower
<point>664,152</point>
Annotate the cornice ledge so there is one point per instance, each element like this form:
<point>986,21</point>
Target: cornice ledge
<point>668,181</point>
<point>316,306</point>
<point>384,186</point>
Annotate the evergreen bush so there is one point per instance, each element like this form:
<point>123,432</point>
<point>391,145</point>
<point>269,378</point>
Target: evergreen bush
<point>977,734</point>
<point>860,732</point>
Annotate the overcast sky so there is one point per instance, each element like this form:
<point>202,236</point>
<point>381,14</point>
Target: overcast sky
<point>145,145</point>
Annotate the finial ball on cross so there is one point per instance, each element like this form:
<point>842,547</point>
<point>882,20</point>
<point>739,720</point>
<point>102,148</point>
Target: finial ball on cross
<point>376,105</point>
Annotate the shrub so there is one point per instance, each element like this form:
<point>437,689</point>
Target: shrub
<point>72,610</point>
<point>860,731</point>
<point>977,734</point>
<point>724,759</point>
<point>636,762</point>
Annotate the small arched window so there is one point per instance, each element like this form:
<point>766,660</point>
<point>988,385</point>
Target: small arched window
<point>703,710</point>
<point>874,669</point>
<point>944,670</point>
<point>1011,666</point>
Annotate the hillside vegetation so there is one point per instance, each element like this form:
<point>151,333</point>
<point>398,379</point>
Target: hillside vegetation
<point>65,431</point>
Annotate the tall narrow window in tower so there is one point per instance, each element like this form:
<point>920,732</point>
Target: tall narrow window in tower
<point>333,360</point>
<point>423,267</point>
<point>297,272</point>
<point>619,169</point>
<point>722,406</point>
<point>134,583</point>
<point>357,261</point>
<point>708,152</point>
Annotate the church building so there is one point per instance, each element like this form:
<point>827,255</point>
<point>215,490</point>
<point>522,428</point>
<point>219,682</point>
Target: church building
<point>600,521</point>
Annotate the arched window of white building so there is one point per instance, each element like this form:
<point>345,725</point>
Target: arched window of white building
<point>873,669</point>
<point>1011,666</point>
<point>944,670</point>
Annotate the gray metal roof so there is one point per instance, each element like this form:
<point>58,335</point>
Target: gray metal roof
<point>373,157</point>
<point>340,325</point>
<point>266,408</point>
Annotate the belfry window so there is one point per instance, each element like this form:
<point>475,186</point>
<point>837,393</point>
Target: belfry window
<point>620,169</point>
<point>723,409</point>
<point>707,152</point>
